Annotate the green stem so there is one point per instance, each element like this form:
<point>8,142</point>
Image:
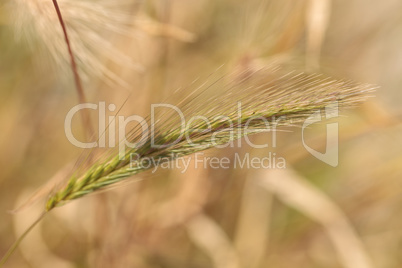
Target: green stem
<point>19,240</point>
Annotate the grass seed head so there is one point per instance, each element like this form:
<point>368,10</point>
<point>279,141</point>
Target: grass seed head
<point>265,95</point>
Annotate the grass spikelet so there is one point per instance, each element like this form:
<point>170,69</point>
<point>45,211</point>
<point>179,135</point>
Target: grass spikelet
<point>243,108</point>
<point>90,25</point>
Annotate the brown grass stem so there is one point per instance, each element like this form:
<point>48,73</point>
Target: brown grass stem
<point>86,120</point>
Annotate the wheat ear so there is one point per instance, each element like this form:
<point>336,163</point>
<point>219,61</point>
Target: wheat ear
<point>265,95</point>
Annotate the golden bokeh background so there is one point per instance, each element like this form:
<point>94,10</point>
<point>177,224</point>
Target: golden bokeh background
<point>308,215</point>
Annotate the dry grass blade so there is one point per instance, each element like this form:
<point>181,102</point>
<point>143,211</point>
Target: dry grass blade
<point>265,96</point>
<point>299,194</point>
<point>208,235</point>
<point>318,15</point>
<point>253,224</point>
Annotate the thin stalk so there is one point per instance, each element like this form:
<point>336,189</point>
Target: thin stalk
<point>18,241</point>
<point>86,120</point>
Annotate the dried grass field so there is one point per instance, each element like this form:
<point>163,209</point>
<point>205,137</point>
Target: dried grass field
<point>201,204</point>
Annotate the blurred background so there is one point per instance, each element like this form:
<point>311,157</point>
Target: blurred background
<point>307,215</point>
